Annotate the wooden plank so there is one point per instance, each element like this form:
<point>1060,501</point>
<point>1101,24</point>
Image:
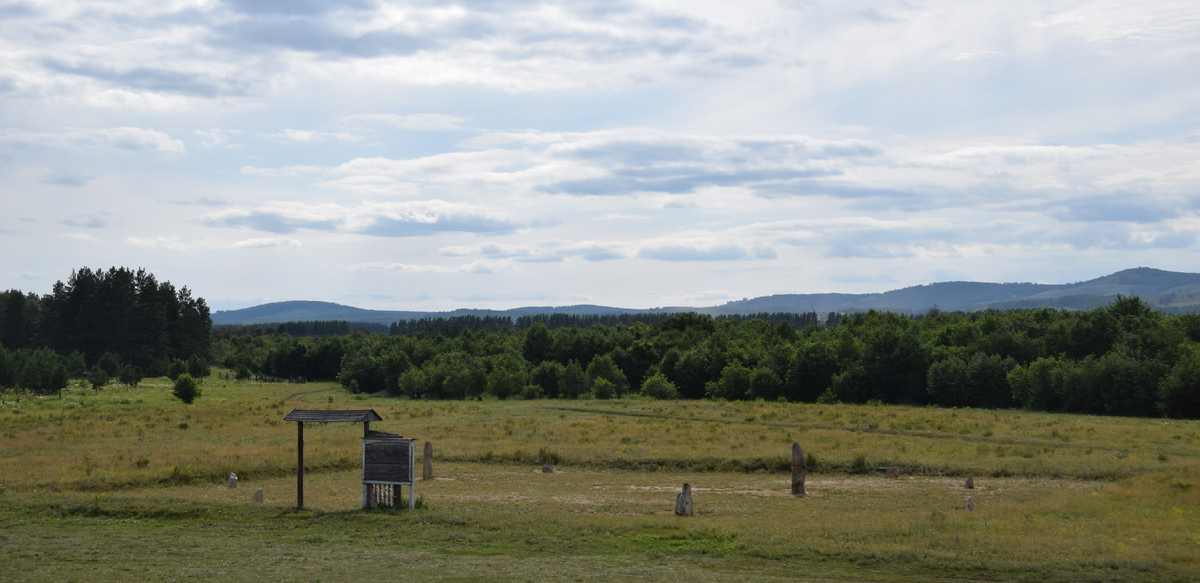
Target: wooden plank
<point>401,472</point>
<point>388,460</point>
<point>333,416</point>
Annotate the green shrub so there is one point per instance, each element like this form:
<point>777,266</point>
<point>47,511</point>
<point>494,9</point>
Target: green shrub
<point>658,387</point>
<point>99,377</point>
<point>603,388</point>
<point>186,388</point>
<point>130,375</point>
<point>198,367</point>
<point>176,368</point>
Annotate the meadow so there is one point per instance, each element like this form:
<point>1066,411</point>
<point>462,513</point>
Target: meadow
<point>127,481</point>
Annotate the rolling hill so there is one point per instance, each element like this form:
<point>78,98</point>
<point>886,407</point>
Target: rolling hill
<point>1167,291</point>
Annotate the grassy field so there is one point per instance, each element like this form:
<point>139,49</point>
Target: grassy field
<point>131,482</point>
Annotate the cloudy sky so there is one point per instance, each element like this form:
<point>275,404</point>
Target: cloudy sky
<point>487,153</point>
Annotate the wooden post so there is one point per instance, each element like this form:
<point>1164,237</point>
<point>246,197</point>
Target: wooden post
<point>798,469</point>
<point>299,465</point>
<point>427,462</point>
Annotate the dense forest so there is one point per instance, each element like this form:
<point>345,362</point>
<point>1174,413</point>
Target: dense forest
<point>1122,359</point>
<point>113,321</point>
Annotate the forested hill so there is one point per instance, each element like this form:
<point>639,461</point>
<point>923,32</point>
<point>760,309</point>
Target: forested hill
<point>1166,291</point>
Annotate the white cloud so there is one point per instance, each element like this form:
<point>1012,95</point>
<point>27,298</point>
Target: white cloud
<point>83,237</point>
<point>266,242</point>
<point>171,243</point>
<point>310,136</point>
<point>425,122</point>
<point>216,138</point>
<point>476,268</point>
<point>115,139</point>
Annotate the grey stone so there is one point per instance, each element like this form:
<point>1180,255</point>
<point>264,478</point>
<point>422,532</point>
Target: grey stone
<point>258,496</point>
<point>547,470</point>
<point>232,480</point>
<point>799,468</point>
<point>970,485</point>
<point>971,503</point>
<point>683,501</point>
<point>892,472</point>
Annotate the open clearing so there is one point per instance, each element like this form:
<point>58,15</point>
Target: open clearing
<point>130,483</point>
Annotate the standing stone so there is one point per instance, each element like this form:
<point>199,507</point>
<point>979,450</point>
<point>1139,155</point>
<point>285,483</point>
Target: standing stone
<point>971,503</point>
<point>970,485</point>
<point>683,501</point>
<point>427,462</point>
<point>798,470</point>
<point>232,480</point>
<point>547,470</point>
<point>892,472</point>
<point>258,496</point>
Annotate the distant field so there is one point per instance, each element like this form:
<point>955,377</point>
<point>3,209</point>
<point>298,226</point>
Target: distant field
<point>130,483</point>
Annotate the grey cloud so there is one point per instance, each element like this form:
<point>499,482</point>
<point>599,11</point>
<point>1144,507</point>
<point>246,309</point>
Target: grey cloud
<point>739,61</point>
<point>6,85</point>
<point>773,168</point>
<point>1122,237</point>
<point>274,222</point>
<point>92,223</point>
<point>315,35</point>
<point>391,227</point>
<point>17,10</point>
<point>296,7</point>
<point>64,178</point>
<point>829,188</point>
<point>368,221</point>
<point>849,249</point>
<point>637,153</point>
<point>153,79</point>
<point>1112,208</point>
<point>690,253</point>
<point>642,180</point>
<point>210,202</point>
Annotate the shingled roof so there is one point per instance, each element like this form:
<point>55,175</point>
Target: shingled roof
<point>333,415</point>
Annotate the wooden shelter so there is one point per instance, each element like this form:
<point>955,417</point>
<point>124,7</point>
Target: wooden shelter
<point>302,416</point>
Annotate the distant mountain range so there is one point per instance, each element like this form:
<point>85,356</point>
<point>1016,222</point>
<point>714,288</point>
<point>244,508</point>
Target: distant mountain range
<point>1167,291</point>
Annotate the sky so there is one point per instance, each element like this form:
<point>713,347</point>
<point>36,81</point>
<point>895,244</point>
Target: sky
<point>495,154</point>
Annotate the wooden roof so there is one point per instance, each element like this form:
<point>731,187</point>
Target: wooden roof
<point>333,415</point>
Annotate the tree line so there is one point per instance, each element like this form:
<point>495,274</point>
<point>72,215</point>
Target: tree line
<point>119,317</point>
<point>1122,359</point>
<point>453,325</point>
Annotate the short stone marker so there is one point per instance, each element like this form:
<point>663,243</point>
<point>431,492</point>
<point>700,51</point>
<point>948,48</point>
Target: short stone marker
<point>683,501</point>
<point>892,472</point>
<point>799,468</point>
<point>258,496</point>
<point>970,485</point>
<point>427,462</point>
<point>232,480</point>
<point>547,470</point>
<point>971,503</point>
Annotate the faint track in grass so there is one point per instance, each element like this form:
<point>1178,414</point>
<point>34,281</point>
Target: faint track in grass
<point>298,395</point>
<point>874,430</point>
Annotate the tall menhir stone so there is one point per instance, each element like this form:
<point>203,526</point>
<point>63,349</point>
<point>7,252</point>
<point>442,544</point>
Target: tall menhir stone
<point>798,470</point>
<point>427,462</point>
<point>684,505</point>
